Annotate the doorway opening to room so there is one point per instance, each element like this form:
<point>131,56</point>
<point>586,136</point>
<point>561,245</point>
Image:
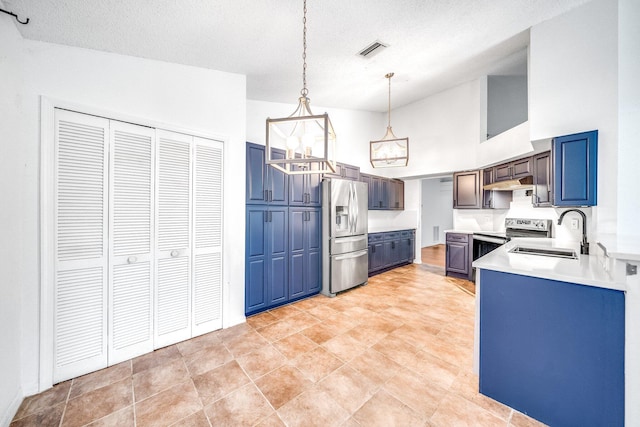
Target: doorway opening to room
<point>436,216</point>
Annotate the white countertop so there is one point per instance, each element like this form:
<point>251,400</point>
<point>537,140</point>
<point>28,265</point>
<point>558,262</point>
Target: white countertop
<point>386,229</point>
<point>461,231</point>
<point>585,270</point>
<point>620,246</point>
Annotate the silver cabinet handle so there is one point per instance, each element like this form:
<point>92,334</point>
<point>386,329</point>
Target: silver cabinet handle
<point>174,253</point>
<point>131,260</point>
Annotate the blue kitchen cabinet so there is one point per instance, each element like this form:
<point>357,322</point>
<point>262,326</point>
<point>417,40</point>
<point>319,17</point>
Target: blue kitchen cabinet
<point>390,249</point>
<point>407,245</point>
<point>265,184</point>
<point>376,251</point>
<point>458,255</point>
<point>304,190</point>
<point>553,350</point>
<point>266,257</point>
<point>575,169</point>
<point>305,261</point>
<point>380,192</point>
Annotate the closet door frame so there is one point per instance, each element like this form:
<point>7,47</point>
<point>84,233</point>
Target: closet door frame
<point>46,214</point>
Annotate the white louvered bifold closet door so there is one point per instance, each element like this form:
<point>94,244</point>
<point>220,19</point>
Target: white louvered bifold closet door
<point>207,214</point>
<point>80,258</point>
<point>173,238</point>
<point>131,218</point>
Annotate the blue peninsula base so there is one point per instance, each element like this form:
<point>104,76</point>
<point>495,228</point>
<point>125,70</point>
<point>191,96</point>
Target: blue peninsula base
<point>553,350</point>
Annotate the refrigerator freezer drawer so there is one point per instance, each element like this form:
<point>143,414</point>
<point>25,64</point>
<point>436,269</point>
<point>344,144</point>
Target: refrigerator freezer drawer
<point>349,270</point>
<point>342,245</point>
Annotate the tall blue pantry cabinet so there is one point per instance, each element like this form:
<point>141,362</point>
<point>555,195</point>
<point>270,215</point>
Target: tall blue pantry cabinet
<point>283,234</point>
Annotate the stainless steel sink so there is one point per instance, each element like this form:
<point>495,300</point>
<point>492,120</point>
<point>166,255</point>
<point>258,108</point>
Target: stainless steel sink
<point>551,252</point>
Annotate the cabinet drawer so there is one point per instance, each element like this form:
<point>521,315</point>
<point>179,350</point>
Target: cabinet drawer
<point>392,235</point>
<point>407,233</point>
<point>457,237</point>
<point>376,237</point>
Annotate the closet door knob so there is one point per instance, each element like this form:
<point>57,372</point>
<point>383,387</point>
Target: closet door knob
<point>174,253</point>
<point>131,260</point>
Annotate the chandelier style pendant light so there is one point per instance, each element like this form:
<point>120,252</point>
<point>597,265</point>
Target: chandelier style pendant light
<point>302,143</point>
<point>389,151</point>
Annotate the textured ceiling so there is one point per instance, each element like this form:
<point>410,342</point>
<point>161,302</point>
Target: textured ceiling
<point>433,44</point>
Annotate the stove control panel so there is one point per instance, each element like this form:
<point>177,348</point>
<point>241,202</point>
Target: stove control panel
<point>528,224</point>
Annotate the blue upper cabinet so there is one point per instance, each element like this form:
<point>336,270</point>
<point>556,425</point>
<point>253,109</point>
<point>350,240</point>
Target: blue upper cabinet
<point>265,184</point>
<point>575,169</point>
<point>304,190</point>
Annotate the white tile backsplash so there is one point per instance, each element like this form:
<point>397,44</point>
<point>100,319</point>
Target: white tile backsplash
<point>521,207</point>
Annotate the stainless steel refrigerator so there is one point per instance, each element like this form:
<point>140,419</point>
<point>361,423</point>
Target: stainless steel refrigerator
<point>344,227</point>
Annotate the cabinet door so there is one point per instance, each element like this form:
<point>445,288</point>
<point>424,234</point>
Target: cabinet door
<point>297,222</point>
<point>255,298</point>
<point>351,172</point>
<point>397,251</point>
<point>457,257</point>
<point>297,189</point>
<point>396,194</point>
<point>277,181</point>
<point>370,190</point>
<point>542,180</point>
<point>502,172</point>
<point>575,159</point>
<point>522,167</point>
<point>376,256</point>
<point>384,193</point>
<point>277,231</point>
<point>256,174</point>
<point>314,191</point>
<point>466,190</point>
<point>487,195</point>
<point>173,238</point>
<point>313,249</point>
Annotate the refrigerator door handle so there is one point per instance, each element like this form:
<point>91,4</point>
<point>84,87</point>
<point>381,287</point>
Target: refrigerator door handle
<point>351,255</point>
<point>356,210</point>
<point>350,210</point>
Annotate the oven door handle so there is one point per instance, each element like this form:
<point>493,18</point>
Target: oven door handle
<point>495,240</point>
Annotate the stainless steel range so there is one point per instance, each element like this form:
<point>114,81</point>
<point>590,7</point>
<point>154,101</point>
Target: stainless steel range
<point>486,241</point>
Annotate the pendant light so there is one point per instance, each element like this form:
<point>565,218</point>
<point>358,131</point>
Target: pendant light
<point>390,151</point>
<point>302,143</point>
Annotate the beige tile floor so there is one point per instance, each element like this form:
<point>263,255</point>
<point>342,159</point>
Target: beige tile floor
<point>396,352</point>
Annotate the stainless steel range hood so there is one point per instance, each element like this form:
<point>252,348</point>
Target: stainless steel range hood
<point>525,183</point>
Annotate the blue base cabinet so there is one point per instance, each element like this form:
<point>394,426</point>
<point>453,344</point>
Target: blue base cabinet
<point>553,350</point>
<point>390,250</point>
<point>266,257</point>
<point>575,166</point>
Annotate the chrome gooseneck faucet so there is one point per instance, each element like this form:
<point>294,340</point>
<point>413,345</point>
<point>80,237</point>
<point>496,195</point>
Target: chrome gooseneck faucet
<point>584,245</point>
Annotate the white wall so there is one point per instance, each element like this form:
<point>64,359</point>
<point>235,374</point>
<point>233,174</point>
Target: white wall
<point>354,129</point>
<point>573,87</point>
<point>204,101</point>
<point>14,191</point>
<point>628,117</point>
<point>443,132</point>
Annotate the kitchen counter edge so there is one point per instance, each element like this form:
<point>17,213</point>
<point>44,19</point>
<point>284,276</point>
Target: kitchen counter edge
<point>586,270</point>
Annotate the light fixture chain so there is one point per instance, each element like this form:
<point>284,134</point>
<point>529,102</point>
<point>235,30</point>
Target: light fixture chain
<point>304,90</point>
<point>389,105</point>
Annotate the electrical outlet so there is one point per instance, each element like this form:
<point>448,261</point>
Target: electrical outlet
<point>574,223</point>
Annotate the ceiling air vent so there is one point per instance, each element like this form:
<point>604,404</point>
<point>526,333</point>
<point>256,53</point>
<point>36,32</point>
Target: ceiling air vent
<point>373,49</point>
